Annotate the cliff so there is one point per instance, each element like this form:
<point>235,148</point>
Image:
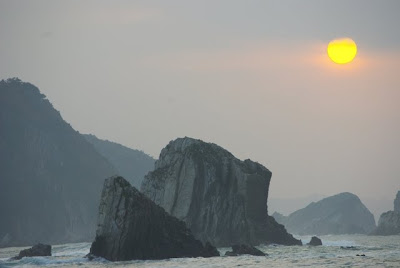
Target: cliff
<point>50,176</point>
<point>339,214</point>
<point>130,226</point>
<point>130,164</point>
<point>222,199</point>
<point>389,222</point>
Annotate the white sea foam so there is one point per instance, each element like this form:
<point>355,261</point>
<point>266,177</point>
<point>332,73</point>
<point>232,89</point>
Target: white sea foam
<point>379,251</point>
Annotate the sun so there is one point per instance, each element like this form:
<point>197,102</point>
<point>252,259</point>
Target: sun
<point>342,51</point>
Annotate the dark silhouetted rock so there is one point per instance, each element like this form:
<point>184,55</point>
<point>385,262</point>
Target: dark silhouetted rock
<point>244,249</point>
<point>36,250</point>
<point>315,241</point>
<point>130,226</point>
<point>50,176</point>
<point>339,214</point>
<point>222,199</point>
<point>131,164</point>
<point>389,222</point>
<point>397,203</point>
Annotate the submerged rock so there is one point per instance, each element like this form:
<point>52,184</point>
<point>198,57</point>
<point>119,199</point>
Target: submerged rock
<point>315,241</point>
<point>130,226</point>
<point>244,249</point>
<point>36,250</point>
<point>389,222</point>
<point>343,213</point>
<point>222,199</point>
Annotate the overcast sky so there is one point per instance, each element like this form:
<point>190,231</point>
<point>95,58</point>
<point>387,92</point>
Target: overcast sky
<point>251,76</point>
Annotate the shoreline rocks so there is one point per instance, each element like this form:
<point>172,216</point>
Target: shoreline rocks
<point>315,241</point>
<point>36,250</point>
<point>244,249</point>
<point>130,226</point>
<point>389,222</point>
<point>221,198</point>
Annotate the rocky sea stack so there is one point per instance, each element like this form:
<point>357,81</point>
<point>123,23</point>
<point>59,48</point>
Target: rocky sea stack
<point>221,198</point>
<point>389,222</point>
<point>130,226</point>
<point>339,214</point>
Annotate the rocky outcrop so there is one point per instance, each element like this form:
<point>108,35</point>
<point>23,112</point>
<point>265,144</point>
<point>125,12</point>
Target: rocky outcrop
<point>397,203</point>
<point>50,176</point>
<point>389,222</point>
<point>36,250</point>
<point>222,199</point>
<point>339,214</point>
<point>315,241</point>
<point>130,226</point>
<point>244,249</point>
<point>131,164</point>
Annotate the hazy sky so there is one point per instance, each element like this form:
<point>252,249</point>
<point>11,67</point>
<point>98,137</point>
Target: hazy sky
<point>251,76</point>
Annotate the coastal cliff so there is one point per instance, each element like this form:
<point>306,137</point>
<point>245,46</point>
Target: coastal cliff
<point>389,222</point>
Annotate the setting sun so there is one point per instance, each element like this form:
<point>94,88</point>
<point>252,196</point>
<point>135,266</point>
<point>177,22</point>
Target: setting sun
<point>342,51</point>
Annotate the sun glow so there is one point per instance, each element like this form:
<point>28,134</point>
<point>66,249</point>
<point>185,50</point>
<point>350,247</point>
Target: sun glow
<point>342,51</point>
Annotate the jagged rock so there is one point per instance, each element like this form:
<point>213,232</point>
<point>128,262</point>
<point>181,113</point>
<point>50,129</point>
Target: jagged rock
<point>315,241</point>
<point>130,226</point>
<point>244,249</point>
<point>222,199</point>
<point>36,250</point>
<point>389,222</point>
<point>339,214</point>
<point>397,203</point>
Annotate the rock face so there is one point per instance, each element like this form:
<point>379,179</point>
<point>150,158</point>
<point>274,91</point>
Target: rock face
<point>389,222</point>
<point>36,250</point>
<point>397,203</point>
<point>222,199</point>
<point>339,214</point>
<point>50,176</point>
<point>315,241</point>
<point>131,164</point>
<point>244,249</point>
<point>130,226</point>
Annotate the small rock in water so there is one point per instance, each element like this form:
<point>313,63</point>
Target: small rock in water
<point>361,255</point>
<point>348,247</point>
<point>315,241</point>
<point>244,249</point>
<point>36,250</point>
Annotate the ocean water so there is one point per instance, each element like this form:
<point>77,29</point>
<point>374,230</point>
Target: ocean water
<point>379,252</point>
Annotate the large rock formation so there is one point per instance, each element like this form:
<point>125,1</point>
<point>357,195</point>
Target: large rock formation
<point>389,222</point>
<point>50,176</point>
<point>339,214</point>
<point>222,199</point>
<point>130,226</point>
<point>131,164</point>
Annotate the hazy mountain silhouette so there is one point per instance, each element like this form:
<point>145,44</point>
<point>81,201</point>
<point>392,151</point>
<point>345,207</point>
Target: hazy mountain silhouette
<point>50,176</point>
<point>343,213</point>
<point>131,164</point>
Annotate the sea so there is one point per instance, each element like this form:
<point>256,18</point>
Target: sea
<point>336,251</point>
